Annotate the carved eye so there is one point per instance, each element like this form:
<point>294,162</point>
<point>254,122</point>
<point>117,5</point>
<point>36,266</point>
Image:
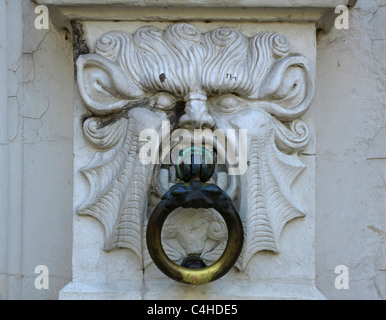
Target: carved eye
<point>164,101</point>
<point>227,103</point>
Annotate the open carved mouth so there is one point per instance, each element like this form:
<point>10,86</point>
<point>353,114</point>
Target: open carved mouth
<point>198,234</point>
<point>167,172</point>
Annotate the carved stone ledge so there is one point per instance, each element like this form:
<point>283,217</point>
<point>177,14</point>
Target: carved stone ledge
<point>64,11</point>
<point>205,3</point>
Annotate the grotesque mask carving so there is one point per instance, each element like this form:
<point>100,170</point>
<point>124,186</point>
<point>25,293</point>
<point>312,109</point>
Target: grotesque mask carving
<point>251,90</point>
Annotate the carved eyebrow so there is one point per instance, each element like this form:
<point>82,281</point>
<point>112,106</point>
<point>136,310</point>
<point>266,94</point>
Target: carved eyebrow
<point>122,113</point>
<point>137,103</point>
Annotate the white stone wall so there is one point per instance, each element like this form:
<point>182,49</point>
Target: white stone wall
<point>351,154</point>
<point>36,153</point>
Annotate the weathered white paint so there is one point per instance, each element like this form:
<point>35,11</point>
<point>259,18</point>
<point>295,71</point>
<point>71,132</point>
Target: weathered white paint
<point>36,148</point>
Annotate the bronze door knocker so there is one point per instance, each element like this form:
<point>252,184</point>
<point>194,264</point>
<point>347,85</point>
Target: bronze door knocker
<point>196,193</point>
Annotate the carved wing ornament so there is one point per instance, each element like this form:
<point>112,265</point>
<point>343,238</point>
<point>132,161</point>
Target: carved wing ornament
<point>221,79</point>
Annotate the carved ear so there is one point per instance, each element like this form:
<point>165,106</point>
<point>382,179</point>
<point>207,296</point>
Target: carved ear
<point>288,88</point>
<point>104,86</point>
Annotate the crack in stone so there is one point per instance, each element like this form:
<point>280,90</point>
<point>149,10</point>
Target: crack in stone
<point>39,44</point>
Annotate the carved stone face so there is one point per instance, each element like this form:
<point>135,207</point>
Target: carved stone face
<point>219,80</point>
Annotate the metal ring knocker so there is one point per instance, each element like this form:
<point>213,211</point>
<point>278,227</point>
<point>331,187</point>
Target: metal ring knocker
<point>195,193</point>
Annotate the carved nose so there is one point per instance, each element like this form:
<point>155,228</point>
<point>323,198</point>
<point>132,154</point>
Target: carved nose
<point>196,114</point>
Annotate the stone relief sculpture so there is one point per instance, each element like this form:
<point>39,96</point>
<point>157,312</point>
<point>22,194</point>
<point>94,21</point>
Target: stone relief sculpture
<point>215,80</point>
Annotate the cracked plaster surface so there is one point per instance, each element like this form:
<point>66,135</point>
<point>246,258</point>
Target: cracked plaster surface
<point>39,159</point>
<point>351,161</point>
<point>36,102</point>
<point>21,88</point>
<point>43,104</point>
